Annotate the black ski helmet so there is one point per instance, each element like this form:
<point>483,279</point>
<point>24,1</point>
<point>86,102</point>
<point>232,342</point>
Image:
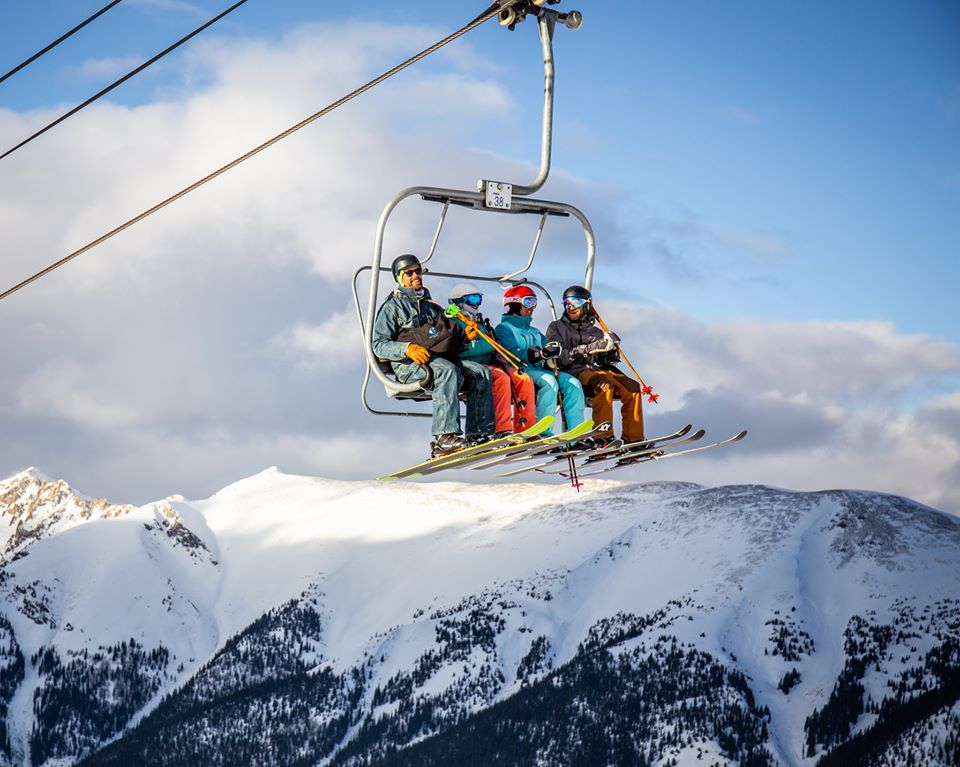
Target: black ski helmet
<point>578,291</point>
<point>402,262</point>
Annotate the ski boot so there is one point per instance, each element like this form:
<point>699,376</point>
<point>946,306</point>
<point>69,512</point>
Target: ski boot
<point>445,444</point>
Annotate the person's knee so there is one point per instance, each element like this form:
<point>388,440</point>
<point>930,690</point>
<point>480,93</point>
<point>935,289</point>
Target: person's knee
<point>548,384</point>
<point>480,371</point>
<point>445,373</point>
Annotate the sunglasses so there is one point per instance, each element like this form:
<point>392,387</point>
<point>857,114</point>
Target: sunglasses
<point>575,303</point>
<point>411,272</point>
<point>471,299</point>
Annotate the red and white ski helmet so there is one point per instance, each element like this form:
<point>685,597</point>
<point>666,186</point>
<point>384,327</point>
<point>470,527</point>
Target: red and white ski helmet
<point>516,294</point>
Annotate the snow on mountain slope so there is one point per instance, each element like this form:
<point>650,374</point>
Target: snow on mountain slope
<point>484,589</point>
<point>84,575</point>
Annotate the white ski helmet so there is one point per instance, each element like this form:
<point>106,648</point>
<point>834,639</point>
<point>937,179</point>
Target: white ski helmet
<point>467,297</point>
<point>459,292</point>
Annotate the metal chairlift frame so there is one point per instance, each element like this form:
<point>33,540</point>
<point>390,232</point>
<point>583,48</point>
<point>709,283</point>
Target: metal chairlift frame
<point>518,202</point>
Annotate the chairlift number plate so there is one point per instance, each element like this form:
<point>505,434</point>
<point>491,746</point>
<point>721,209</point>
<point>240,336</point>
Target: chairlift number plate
<point>498,195</point>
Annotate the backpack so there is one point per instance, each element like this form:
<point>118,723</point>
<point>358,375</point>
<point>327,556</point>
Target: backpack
<point>441,336</point>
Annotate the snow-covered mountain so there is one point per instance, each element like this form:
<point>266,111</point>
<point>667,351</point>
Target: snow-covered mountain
<point>293,620</point>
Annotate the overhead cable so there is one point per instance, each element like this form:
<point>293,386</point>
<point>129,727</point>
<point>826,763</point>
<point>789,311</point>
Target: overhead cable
<point>256,150</point>
<point>59,40</point>
<point>123,79</point>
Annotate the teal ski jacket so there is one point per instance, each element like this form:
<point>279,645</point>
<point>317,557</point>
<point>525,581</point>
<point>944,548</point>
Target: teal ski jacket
<point>517,334</point>
<point>479,349</point>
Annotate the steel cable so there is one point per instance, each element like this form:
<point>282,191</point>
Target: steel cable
<point>279,137</point>
<point>123,79</point>
<point>59,40</point>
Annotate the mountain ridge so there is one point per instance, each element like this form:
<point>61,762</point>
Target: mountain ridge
<point>467,595</point>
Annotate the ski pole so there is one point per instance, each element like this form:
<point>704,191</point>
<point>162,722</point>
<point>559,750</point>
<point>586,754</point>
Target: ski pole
<point>452,311</point>
<point>648,390</point>
<point>571,463</point>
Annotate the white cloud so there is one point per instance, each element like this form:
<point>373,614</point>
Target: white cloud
<point>323,343</point>
<point>176,6</point>
<point>108,69</point>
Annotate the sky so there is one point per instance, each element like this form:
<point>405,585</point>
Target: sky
<point>775,192</point>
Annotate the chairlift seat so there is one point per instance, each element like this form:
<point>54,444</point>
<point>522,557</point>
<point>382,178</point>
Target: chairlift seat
<point>419,396</point>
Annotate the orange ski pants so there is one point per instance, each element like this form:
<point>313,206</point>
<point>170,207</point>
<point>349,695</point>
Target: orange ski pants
<point>605,385</point>
<point>512,389</point>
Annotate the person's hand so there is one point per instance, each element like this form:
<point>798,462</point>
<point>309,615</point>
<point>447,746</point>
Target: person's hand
<point>419,354</point>
<point>471,331</point>
<point>579,352</point>
<point>551,350</point>
<point>534,354</point>
<point>600,346</point>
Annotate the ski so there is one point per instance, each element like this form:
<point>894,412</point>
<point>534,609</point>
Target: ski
<point>552,458</point>
<point>656,455</point>
<point>459,460</point>
<point>602,455</point>
<point>518,438</point>
<point>538,447</point>
<point>599,453</point>
<point>651,447</point>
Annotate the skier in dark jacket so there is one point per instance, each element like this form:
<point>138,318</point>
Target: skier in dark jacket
<point>412,333</point>
<point>591,355</point>
<point>519,337</point>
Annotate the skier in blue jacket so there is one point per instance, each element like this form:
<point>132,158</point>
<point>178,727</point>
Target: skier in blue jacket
<point>517,334</point>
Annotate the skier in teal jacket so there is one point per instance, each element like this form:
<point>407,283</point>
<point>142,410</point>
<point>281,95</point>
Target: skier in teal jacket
<point>510,386</point>
<point>517,334</point>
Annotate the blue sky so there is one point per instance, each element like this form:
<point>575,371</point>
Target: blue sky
<point>775,191</point>
<point>828,134</point>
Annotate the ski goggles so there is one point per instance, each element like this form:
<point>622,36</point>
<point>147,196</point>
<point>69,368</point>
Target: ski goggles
<point>471,299</point>
<point>529,302</point>
<point>573,302</point>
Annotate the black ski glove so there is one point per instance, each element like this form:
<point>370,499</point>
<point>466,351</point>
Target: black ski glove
<point>551,350</point>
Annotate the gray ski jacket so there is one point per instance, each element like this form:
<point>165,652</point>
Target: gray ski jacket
<point>401,310</point>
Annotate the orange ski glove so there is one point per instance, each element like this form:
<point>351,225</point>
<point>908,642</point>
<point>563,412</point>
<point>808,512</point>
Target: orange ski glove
<point>418,354</point>
<point>471,331</point>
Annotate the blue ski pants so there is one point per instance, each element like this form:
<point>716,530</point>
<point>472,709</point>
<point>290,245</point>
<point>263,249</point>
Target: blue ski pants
<point>548,387</point>
<point>449,379</point>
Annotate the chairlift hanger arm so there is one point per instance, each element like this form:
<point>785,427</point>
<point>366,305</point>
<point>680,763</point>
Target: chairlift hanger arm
<point>509,16</point>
